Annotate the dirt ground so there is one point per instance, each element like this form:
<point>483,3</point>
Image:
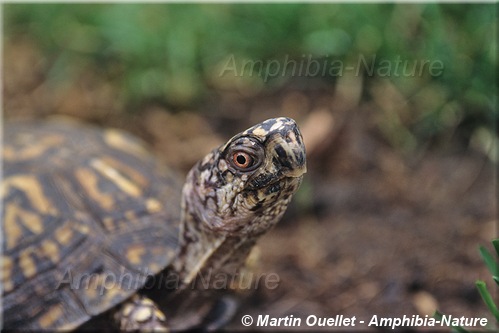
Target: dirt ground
<point>372,231</point>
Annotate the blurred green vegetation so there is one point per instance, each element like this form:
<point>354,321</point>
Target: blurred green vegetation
<point>173,52</point>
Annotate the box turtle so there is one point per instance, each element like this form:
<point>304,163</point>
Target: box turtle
<point>99,232</point>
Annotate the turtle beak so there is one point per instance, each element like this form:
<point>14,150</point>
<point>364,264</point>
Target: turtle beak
<point>289,151</point>
<point>299,172</point>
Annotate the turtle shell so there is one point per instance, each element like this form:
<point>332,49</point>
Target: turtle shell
<point>88,216</point>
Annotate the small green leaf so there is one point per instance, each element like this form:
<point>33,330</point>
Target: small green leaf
<point>495,242</point>
<point>487,298</point>
<point>438,315</point>
<point>489,260</point>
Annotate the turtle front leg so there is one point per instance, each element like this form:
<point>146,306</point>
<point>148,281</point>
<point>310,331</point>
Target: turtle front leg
<point>140,314</point>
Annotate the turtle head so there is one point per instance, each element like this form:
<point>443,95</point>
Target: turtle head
<point>244,186</point>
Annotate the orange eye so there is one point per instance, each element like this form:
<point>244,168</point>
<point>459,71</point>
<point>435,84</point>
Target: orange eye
<point>242,160</point>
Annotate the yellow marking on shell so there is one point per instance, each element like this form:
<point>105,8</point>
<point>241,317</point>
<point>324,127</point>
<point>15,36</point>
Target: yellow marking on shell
<point>33,223</point>
<point>89,182</point>
<point>130,215</point>
<point>153,205</point>
<point>35,148</point>
<point>82,228</point>
<point>116,289</point>
<point>16,216</point>
<point>33,190</point>
<point>113,291</point>
<point>12,229</point>
<point>51,316</point>
<point>50,250</point>
<point>109,223</point>
<point>116,139</point>
<point>134,254</point>
<point>112,174</point>
<point>64,234</point>
<point>98,286</point>
<point>7,274</point>
<point>124,168</point>
<point>27,264</point>
<point>92,287</point>
<point>7,285</point>
<point>154,267</point>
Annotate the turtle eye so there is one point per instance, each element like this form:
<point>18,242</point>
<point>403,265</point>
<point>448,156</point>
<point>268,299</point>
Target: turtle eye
<point>244,155</point>
<point>242,160</point>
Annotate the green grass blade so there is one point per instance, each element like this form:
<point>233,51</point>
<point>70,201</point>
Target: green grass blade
<point>495,242</point>
<point>487,298</point>
<point>489,261</point>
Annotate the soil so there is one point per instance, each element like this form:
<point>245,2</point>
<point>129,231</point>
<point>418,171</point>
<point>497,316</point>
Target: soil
<point>373,231</point>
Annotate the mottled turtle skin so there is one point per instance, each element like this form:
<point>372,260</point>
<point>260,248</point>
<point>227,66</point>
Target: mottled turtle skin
<point>89,214</point>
